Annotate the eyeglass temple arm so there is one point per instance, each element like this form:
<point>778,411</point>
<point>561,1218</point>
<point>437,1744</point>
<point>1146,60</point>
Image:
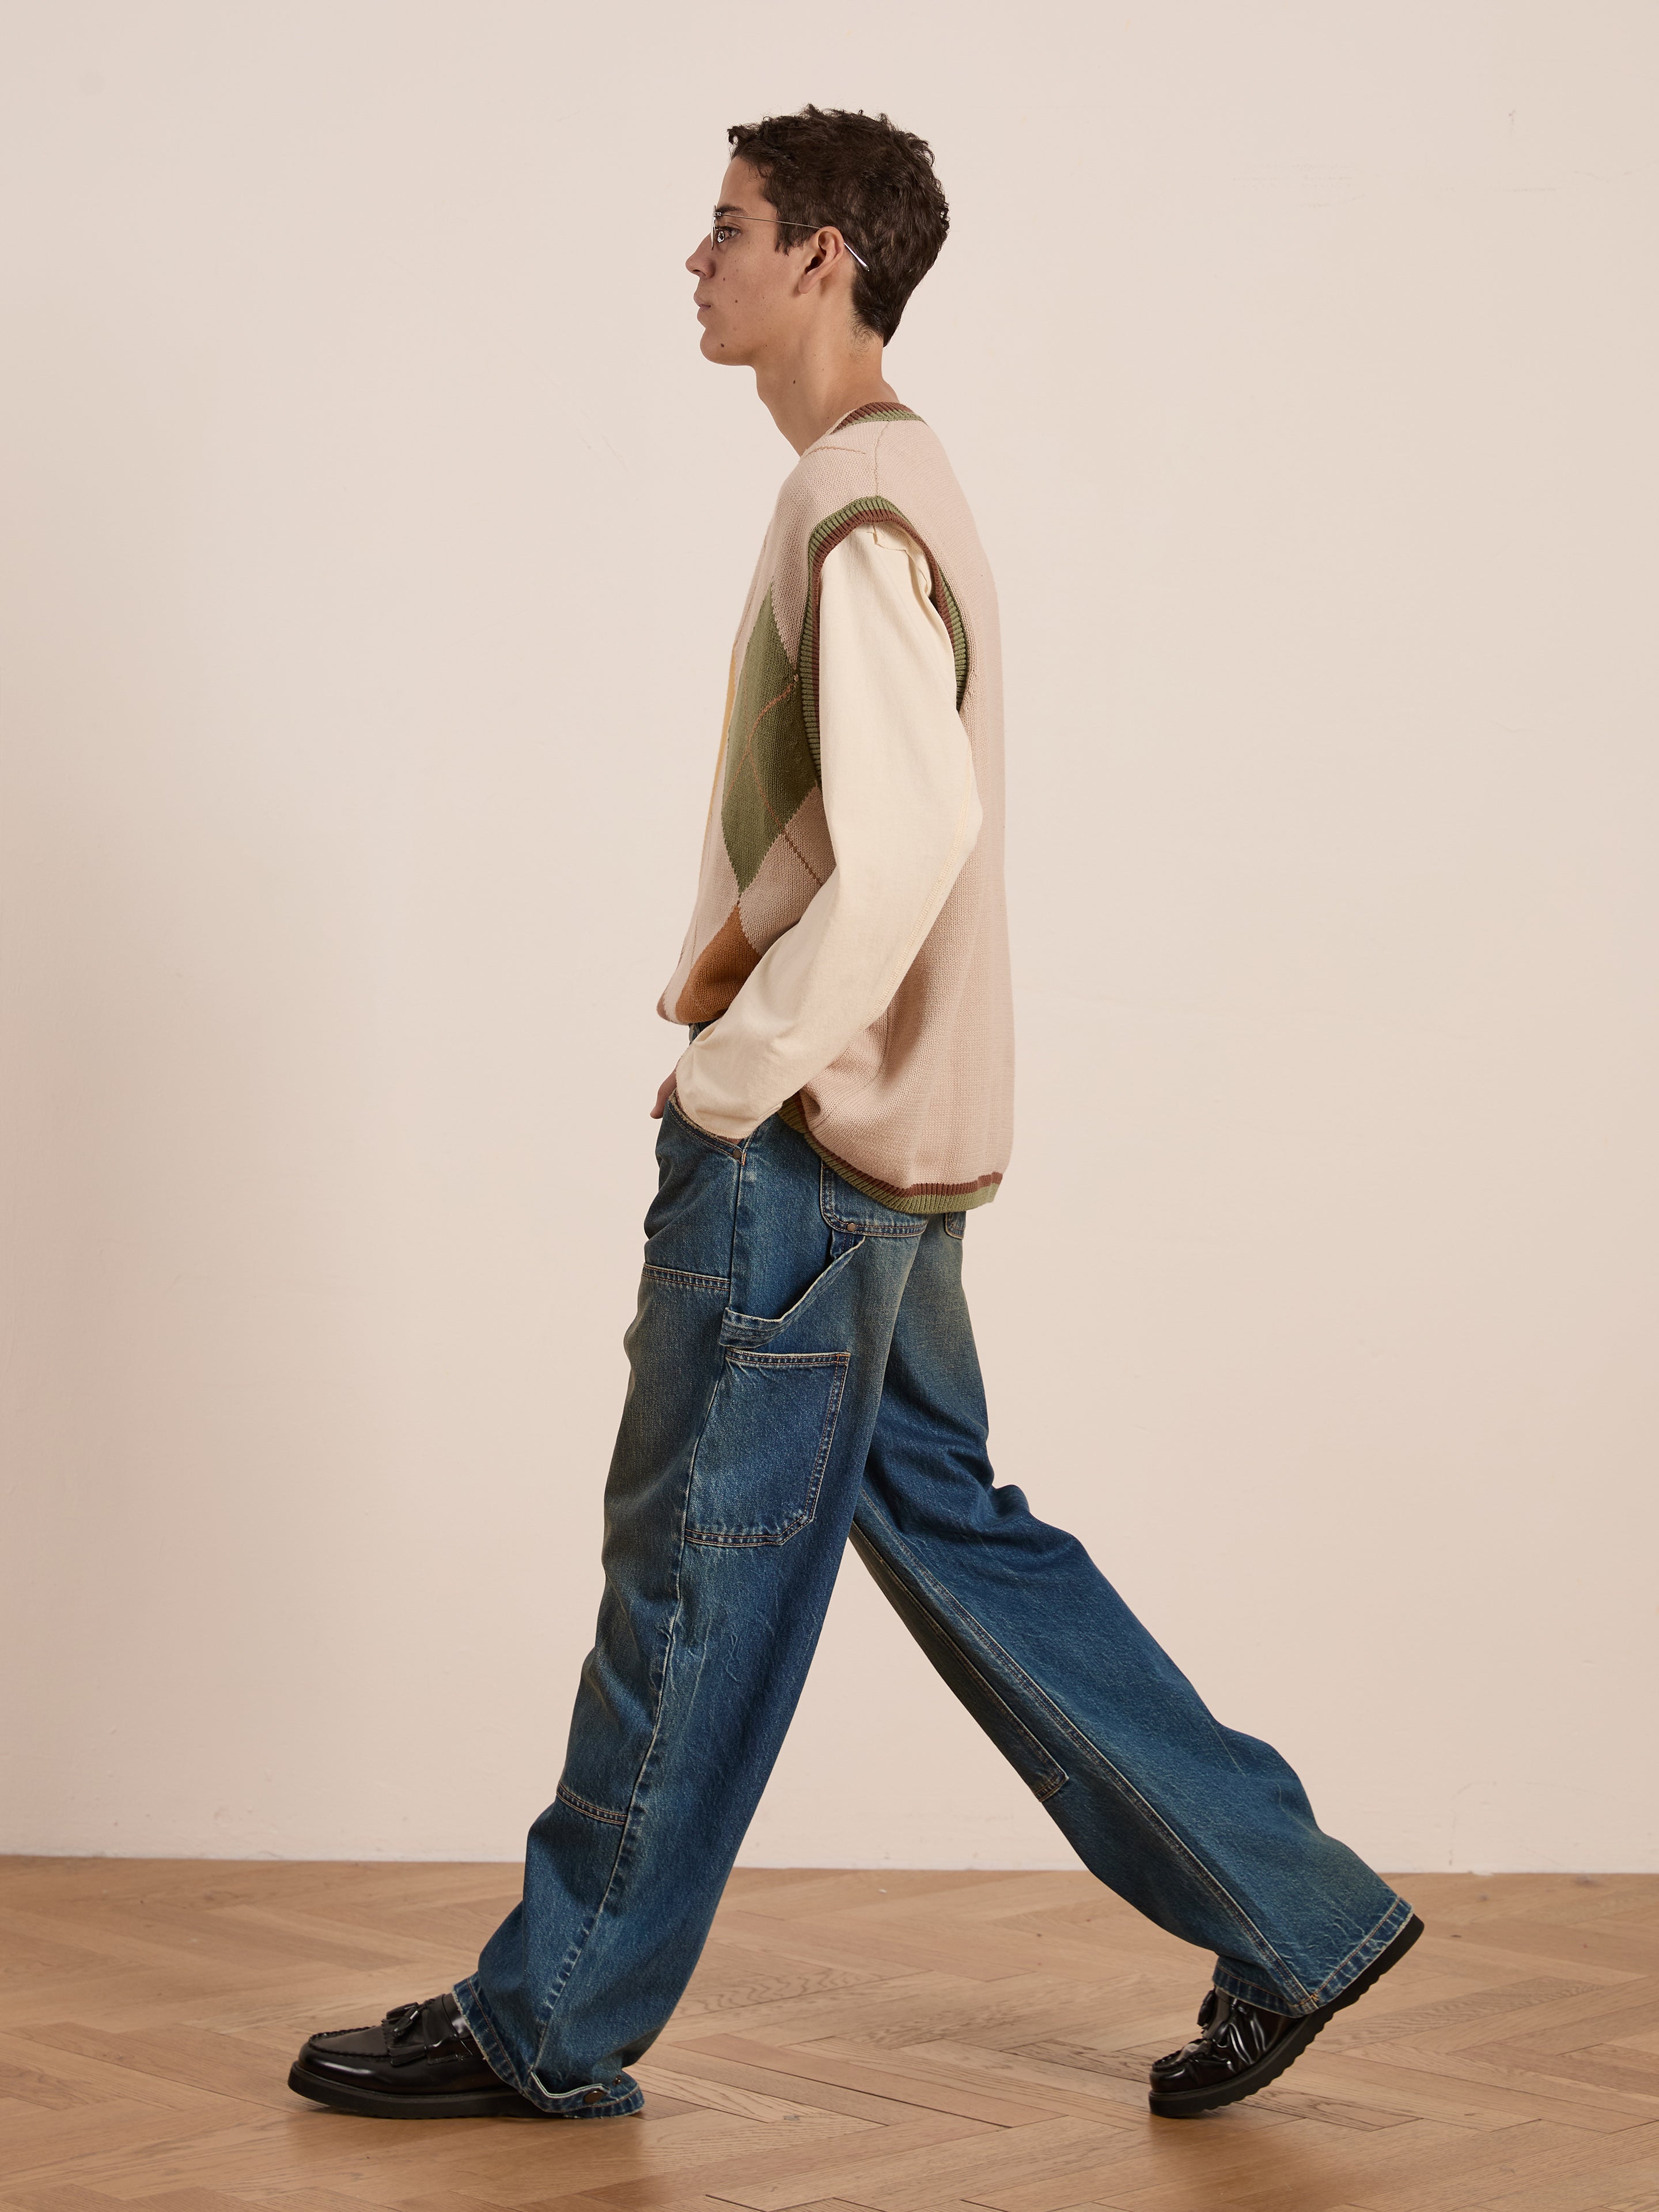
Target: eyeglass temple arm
<point>783,225</point>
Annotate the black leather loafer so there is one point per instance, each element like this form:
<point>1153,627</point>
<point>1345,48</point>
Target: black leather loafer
<point>1242,2048</point>
<point>419,2063</point>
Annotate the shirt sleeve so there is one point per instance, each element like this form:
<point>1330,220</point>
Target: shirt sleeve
<point>904,812</point>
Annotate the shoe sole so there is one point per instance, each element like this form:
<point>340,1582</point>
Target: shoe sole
<point>502,2104</point>
<point>1188,2103</point>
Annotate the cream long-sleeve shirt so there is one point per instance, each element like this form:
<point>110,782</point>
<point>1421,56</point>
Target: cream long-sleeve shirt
<point>903,812</point>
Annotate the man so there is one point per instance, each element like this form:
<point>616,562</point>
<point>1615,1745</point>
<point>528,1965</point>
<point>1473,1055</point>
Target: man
<point>802,1364</point>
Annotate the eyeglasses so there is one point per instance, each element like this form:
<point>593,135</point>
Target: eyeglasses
<point>724,227</point>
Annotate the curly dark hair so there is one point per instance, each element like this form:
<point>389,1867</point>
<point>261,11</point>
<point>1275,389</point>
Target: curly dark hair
<point>874,182</point>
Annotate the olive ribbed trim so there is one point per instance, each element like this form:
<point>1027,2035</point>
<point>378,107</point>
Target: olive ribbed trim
<point>819,546</point>
<point>939,1198</point>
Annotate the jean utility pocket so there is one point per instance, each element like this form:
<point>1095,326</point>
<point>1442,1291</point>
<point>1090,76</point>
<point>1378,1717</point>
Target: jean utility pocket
<point>759,1463</point>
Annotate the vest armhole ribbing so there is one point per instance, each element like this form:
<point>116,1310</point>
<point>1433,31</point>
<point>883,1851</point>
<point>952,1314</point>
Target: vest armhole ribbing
<point>855,515</point>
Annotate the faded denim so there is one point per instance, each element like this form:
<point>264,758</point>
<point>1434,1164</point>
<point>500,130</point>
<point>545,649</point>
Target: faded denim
<point>802,1370</point>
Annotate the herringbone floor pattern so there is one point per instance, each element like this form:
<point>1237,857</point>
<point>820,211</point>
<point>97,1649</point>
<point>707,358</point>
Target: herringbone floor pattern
<point>902,2042</point>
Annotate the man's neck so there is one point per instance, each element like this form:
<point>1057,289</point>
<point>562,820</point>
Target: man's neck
<point>809,392</point>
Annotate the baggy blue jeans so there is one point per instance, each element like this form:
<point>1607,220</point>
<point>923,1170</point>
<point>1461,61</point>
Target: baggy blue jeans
<point>802,1370</point>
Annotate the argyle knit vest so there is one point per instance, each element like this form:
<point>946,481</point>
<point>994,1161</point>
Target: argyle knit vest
<point>918,1110</point>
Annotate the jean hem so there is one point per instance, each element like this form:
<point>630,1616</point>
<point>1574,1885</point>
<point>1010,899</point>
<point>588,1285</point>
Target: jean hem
<point>969,1635</point>
<point>1365,1953</point>
<point>588,2100</point>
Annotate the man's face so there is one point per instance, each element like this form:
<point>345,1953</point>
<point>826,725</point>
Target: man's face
<point>748,293</point>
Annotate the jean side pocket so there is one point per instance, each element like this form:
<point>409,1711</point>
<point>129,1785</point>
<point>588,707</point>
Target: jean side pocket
<point>760,1460</point>
<point>689,1223</point>
<point>682,1121</point>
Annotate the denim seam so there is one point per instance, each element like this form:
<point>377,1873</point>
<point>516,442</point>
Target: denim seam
<point>1093,1750</point>
<point>544,2015</point>
<point>957,1233</point>
<point>614,2108</point>
<point>743,1356</point>
<point>1368,1947</point>
<point>544,2012</point>
<point>1365,1951</point>
<point>706,1539</point>
<point>579,1804</point>
<point>737,1216</point>
<point>474,2011</point>
<point>684,1275</point>
<point>1060,1777</point>
<point>1255,1993</point>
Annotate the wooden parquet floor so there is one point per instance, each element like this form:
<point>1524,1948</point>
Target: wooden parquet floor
<point>901,2042</point>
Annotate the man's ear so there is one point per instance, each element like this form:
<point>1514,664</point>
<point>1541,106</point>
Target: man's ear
<point>825,250</point>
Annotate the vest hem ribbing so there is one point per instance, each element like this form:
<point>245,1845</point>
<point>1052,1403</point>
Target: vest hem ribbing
<point>938,1199</point>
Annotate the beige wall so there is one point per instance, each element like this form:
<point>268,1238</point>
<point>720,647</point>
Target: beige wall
<point>373,537</point>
